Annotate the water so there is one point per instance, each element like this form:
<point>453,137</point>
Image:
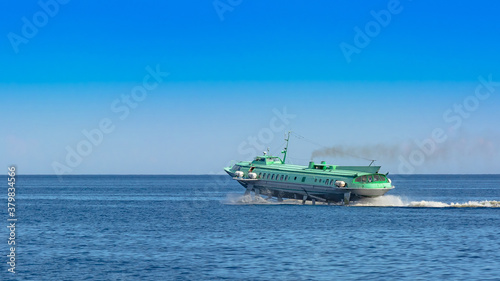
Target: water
<point>202,228</point>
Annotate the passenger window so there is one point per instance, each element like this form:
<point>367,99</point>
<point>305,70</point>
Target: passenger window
<point>370,178</point>
<point>303,179</point>
<point>326,182</point>
<point>281,177</point>
<point>376,178</point>
<point>268,175</point>
<point>358,179</point>
<point>363,179</point>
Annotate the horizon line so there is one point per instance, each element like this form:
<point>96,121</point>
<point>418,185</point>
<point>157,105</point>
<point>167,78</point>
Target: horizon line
<point>222,174</point>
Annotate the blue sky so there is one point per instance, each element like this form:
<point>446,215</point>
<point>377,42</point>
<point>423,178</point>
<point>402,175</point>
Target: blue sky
<point>229,69</point>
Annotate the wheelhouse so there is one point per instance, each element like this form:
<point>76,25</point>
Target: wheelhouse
<point>266,160</point>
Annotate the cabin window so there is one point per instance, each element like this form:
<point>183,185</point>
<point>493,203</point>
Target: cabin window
<point>260,175</point>
<point>303,179</point>
<point>236,168</point>
<point>332,182</point>
<point>326,182</point>
<point>282,177</point>
<point>363,179</point>
<point>286,178</point>
<point>259,159</point>
<point>295,179</point>
<point>268,175</point>
<point>272,177</point>
<point>376,178</point>
<point>370,178</point>
<point>315,180</point>
<point>264,175</point>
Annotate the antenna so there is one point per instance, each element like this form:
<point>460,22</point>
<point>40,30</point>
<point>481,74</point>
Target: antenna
<point>287,138</point>
<point>371,163</point>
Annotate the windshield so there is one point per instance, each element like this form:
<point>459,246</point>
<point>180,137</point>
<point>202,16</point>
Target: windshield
<point>370,178</point>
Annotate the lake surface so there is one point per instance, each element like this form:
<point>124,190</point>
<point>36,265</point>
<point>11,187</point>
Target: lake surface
<point>431,227</point>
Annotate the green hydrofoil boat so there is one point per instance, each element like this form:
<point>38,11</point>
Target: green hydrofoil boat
<point>271,176</point>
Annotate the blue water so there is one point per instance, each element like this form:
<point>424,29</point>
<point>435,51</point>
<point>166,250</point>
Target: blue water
<point>201,228</point>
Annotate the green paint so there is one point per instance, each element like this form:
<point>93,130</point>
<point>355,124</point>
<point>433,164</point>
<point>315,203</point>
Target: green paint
<point>272,168</point>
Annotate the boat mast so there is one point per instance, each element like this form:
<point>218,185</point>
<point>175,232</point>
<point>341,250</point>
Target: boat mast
<point>287,138</point>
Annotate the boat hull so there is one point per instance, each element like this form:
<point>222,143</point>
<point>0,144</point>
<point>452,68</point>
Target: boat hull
<point>299,191</point>
<point>308,191</point>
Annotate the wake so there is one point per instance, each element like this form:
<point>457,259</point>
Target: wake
<point>237,199</point>
<point>383,201</point>
<point>397,201</point>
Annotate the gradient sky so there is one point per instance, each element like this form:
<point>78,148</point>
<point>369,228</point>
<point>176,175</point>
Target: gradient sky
<point>227,74</point>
